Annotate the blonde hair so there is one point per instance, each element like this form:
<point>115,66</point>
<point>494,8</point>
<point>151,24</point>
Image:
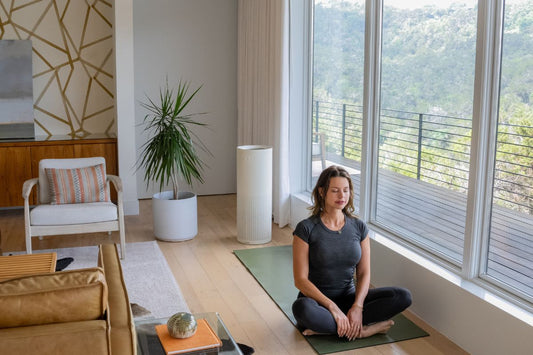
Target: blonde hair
<point>322,185</point>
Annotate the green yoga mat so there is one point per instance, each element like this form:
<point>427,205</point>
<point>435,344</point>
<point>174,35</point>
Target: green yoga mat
<point>272,268</point>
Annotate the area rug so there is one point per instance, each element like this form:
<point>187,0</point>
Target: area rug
<point>272,268</point>
<point>148,278</point>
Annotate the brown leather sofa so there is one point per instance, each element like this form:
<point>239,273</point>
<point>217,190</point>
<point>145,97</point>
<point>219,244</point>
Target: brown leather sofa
<point>84,311</point>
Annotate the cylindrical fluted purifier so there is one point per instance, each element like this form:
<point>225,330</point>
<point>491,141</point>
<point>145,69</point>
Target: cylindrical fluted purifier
<point>254,194</point>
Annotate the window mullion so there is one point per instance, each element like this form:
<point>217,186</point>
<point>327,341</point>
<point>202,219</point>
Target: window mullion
<point>300,58</point>
<point>484,127</point>
<point>371,104</point>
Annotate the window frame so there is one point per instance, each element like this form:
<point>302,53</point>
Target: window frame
<point>300,108</point>
<point>483,144</point>
<point>484,127</point>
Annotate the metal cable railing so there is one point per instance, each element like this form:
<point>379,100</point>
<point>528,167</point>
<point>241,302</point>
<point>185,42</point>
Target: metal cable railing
<point>432,148</point>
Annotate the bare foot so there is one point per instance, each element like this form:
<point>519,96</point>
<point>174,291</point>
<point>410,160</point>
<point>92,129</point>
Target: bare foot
<point>311,332</point>
<point>376,328</point>
<point>368,330</point>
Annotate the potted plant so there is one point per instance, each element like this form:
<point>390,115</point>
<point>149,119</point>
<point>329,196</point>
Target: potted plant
<point>170,154</point>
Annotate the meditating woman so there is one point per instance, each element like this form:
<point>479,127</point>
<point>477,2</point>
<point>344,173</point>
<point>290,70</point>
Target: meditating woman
<point>328,249</point>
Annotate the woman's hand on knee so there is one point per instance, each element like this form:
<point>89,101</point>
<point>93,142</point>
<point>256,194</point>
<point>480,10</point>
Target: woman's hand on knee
<point>355,317</point>
<point>343,323</point>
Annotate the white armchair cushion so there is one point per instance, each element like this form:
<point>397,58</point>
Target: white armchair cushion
<point>50,215</point>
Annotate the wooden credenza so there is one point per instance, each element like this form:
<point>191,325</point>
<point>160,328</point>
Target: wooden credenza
<point>19,160</point>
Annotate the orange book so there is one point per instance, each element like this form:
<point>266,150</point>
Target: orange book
<point>204,338</point>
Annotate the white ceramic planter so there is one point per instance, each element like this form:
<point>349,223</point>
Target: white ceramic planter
<point>175,220</point>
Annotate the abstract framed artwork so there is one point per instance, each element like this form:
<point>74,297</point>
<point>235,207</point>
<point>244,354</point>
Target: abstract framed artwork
<point>16,90</point>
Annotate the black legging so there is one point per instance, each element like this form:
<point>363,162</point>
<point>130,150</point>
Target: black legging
<point>380,304</point>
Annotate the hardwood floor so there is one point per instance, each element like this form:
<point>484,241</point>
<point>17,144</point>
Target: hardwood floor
<point>213,279</point>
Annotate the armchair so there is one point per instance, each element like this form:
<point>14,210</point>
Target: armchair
<point>58,215</point>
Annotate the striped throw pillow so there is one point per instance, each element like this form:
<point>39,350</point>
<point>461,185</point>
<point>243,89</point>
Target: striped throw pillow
<point>78,185</point>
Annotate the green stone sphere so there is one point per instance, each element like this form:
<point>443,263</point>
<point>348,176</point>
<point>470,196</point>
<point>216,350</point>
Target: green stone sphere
<point>182,325</point>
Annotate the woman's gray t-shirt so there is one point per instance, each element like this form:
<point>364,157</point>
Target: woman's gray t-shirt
<point>333,255</point>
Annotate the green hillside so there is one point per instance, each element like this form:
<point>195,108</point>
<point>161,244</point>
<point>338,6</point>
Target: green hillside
<point>427,73</point>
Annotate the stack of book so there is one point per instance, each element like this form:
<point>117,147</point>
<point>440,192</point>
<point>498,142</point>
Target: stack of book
<point>204,338</point>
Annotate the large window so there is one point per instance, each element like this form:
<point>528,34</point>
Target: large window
<point>427,90</point>
<point>409,103</point>
<point>509,257</point>
<point>338,73</point>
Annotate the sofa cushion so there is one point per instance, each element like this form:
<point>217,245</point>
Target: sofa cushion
<point>122,334</point>
<point>66,296</point>
<point>87,338</point>
<point>47,215</point>
<point>78,185</point>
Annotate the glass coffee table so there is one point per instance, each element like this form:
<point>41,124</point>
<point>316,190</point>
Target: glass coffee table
<point>148,342</point>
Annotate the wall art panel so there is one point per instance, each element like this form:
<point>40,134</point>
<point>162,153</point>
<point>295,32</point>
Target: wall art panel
<point>73,62</point>
<point>16,90</point>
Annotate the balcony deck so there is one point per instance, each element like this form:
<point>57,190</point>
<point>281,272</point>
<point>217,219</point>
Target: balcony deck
<point>435,217</point>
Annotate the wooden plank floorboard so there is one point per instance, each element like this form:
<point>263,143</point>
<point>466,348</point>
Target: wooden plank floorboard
<point>446,229</point>
<point>504,277</point>
<point>422,207</point>
<point>449,198</point>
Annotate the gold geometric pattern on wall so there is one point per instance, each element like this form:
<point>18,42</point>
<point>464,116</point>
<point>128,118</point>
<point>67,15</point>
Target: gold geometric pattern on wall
<point>73,62</point>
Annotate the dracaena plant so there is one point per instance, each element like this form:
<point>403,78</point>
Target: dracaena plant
<point>172,150</point>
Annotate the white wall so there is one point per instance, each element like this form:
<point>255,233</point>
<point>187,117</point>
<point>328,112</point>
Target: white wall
<point>474,324</point>
<point>195,40</point>
<point>125,105</point>
<point>443,301</point>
